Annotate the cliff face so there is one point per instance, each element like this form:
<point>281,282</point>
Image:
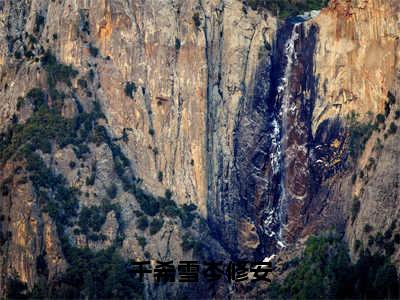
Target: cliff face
<point>224,106</point>
<point>356,58</point>
<point>357,67</point>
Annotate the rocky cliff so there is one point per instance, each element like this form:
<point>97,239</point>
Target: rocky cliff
<point>228,130</point>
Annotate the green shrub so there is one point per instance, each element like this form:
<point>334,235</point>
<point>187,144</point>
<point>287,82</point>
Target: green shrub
<point>155,151</point>
<point>391,99</point>
<point>142,222</point>
<point>367,228</point>
<point>168,194</point>
<point>39,22</point>
<point>389,102</point>
<point>96,237</point>
<point>354,178</point>
<point>93,50</point>
<point>177,44</point>
<point>82,83</point>
<point>388,234</point>
<point>397,238</point>
<point>130,89</point>
<point>371,240</point>
<point>156,225</point>
<point>17,55</point>
<point>169,208</point>
<point>20,102</point>
<point>112,191</point>
<point>357,245</point>
<point>196,20</point>
<point>72,165</point>
<point>187,242</point>
<point>392,128</point>
<point>142,241</point>
<point>189,207</point>
<point>148,204</point>
<point>91,179</point>
<point>389,248</point>
<point>380,118</point>
<point>187,219</point>
<point>91,218</point>
<point>160,176</point>
<point>379,239</point>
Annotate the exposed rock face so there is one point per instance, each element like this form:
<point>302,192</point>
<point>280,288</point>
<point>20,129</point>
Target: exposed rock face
<point>227,107</point>
<point>356,65</point>
<point>31,234</point>
<point>356,58</point>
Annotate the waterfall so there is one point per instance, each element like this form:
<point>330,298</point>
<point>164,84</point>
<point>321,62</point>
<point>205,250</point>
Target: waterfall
<point>276,217</point>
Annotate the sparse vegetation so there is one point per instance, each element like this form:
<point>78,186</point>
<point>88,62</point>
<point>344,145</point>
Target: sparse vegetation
<point>90,274</point>
<point>57,72</point>
<point>359,134</point>
<point>103,274</point>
